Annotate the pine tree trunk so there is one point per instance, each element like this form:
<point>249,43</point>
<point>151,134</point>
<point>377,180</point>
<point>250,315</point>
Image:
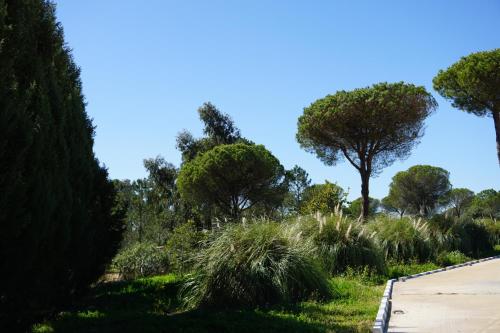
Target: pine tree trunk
<point>496,120</point>
<point>365,179</point>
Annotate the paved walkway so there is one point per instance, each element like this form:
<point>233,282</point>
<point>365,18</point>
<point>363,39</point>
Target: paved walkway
<point>465,299</point>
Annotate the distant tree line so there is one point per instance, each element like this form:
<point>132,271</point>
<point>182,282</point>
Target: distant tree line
<point>226,178</point>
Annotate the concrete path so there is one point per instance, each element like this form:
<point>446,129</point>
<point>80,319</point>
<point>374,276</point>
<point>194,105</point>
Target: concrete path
<point>465,299</point>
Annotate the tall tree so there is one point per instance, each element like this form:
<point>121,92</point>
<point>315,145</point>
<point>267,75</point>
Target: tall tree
<point>219,129</point>
<point>458,200</point>
<point>298,181</point>
<point>485,204</point>
<point>58,227</point>
<point>370,127</point>
<point>395,203</point>
<point>473,85</point>
<point>233,178</point>
<point>421,188</point>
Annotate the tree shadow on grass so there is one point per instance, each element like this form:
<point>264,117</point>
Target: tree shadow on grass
<point>145,306</point>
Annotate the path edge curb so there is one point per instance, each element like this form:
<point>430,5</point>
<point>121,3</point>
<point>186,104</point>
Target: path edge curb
<point>384,310</point>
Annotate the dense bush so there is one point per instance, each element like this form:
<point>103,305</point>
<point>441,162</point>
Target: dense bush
<point>493,228</point>
<point>473,238</point>
<point>451,258</point>
<point>402,239</point>
<point>58,229</point>
<point>141,259</point>
<point>324,198</point>
<point>476,240</point>
<point>255,264</point>
<point>341,242</point>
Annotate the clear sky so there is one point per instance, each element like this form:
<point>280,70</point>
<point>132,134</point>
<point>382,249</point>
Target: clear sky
<point>148,65</point>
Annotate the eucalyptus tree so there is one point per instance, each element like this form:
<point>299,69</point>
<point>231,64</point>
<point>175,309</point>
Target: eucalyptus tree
<point>369,127</point>
<point>298,182</point>
<point>473,85</point>
<point>218,128</point>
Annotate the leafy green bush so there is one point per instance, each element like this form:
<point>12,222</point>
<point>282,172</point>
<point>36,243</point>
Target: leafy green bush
<point>451,258</point>
<point>341,242</point>
<point>255,264</point>
<point>182,243</point>
<point>141,259</point>
<point>402,240</point>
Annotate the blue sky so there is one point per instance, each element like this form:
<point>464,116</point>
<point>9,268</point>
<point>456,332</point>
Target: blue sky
<point>148,65</point>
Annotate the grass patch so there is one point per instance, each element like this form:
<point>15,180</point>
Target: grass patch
<point>395,271</point>
<point>151,305</point>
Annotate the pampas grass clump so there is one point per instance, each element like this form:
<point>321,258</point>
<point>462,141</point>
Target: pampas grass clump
<point>342,243</point>
<point>255,264</point>
<point>403,240</point>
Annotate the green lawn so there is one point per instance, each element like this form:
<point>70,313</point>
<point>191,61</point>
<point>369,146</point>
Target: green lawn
<point>150,305</point>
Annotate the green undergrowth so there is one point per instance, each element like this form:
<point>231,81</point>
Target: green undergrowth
<point>151,305</point>
<point>395,271</point>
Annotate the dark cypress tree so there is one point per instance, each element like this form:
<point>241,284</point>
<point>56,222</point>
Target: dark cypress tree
<point>58,229</point>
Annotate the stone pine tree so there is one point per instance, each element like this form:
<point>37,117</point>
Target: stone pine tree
<point>458,200</point>
<point>233,178</point>
<point>473,85</point>
<point>369,127</point>
<point>420,189</point>
<point>58,225</point>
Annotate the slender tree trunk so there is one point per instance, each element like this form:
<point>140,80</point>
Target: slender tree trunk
<point>365,180</point>
<point>496,120</point>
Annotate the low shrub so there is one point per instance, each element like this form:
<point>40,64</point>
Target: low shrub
<point>255,264</point>
<point>341,242</point>
<point>402,240</point>
<point>451,258</point>
<point>141,259</point>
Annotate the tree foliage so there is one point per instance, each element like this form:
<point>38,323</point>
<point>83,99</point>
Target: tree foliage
<point>219,129</point>
<point>485,204</point>
<point>58,226</point>
<point>420,188</point>
<point>395,202</point>
<point>458,200</point>
<point>298,182</point>
<point>356,207</point>
<point>473,85</point>
<point>233,178</point>
<point>324,198</point>
<point>370,127</point>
